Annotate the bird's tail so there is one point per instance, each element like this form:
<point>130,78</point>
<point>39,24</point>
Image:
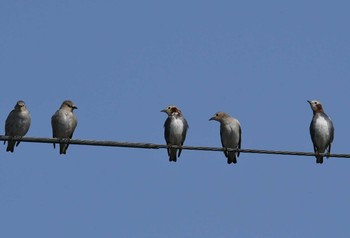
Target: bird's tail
<point>10,146</point>
<point>231,158</point>
<point>172,155</point>
<point>63,148</point>
<point>319,159</point>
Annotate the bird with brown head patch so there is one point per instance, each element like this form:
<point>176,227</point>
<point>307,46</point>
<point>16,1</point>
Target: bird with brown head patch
<point>321,130</point>
<point>175,130</point>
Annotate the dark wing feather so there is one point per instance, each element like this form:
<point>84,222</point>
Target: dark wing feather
<point>54,122</point>
<point>71,135</point>
<point>167,132</point>
<point>9,122</point>
<point>312,133</point>
<point>184,133</point>
<point>330,125</point>
<point>222,143</point>
<point>240,140</point>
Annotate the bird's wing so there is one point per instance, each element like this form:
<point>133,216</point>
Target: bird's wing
<point>54,123</point>
<point>240,139</point>
<point>10,122</point>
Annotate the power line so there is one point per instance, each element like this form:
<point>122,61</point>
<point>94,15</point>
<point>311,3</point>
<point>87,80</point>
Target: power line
<point>160,146</point>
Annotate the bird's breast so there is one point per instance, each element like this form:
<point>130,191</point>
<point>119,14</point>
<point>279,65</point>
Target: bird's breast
<point>322,133</point>
<point>322,126</point>
<point>230,134</point>
<point>176,126</point>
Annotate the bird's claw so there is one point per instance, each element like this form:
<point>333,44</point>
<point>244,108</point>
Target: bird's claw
<point>64,140</point>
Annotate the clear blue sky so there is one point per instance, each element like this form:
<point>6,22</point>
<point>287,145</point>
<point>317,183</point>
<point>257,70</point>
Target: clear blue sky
<point>121,62</point>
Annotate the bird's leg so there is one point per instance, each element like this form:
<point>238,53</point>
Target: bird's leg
<point>168,148</point>
<point>17,138</point>
<point>65,140</point>
<point>10,139</point>
<point>328,151</point>
<point>225,151</point>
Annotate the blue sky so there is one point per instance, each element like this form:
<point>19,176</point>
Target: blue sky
<point>122,62</point>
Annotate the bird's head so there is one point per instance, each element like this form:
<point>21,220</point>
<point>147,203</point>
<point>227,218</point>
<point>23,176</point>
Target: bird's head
<point>316,106</point>
<point>172,110</point>
<point>20,105</point>
<point>68,104</point>
<point>219,116</point>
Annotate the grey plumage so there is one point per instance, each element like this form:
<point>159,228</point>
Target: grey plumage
<point>321,130</point>
<point>63,124</point>
<point>230,134</point>
<point>175,129</point>
<point>17,124</point>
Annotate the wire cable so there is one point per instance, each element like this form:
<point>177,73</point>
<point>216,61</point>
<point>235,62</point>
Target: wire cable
<point>160,146</point>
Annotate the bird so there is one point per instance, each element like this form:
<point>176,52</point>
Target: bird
<point>175,129</point>
<point>17,124</point>
<point>230,133</point>
<point>63,124</point>
<point>321,130</point>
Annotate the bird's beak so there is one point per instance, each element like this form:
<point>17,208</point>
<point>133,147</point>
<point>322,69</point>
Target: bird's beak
<point>75,107</point>
<point>164,110</point>
<point>308,101</point>
<point>212,118</point>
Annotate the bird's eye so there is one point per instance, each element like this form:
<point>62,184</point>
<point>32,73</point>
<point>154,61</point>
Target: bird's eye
<point>216,114</point>
<point>169,108</point>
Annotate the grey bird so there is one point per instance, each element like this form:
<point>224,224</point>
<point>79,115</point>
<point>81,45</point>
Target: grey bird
<point>321,131</point>
<point>63,124</point>
<point>230,133</point>
<point>175,129</point>
<point>17,124</point>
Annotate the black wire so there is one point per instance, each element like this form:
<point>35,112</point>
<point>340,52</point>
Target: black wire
<point>160,146</point>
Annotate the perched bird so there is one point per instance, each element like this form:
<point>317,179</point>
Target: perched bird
<point>17,124</point>
<point>321,130</point>
<point>63,124</point>
<point>230,133</point>
<point>175,129</point>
